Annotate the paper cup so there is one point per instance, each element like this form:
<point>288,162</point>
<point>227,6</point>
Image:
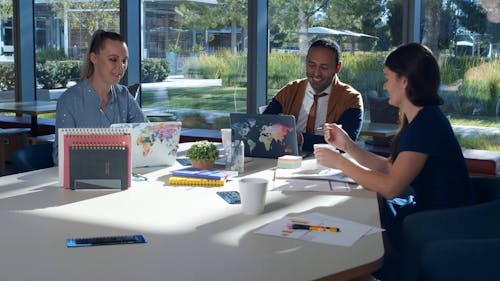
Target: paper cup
<point>322,145</point>
<point>253,195</point>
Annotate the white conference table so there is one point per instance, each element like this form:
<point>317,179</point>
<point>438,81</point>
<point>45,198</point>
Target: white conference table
<point>192,233</point>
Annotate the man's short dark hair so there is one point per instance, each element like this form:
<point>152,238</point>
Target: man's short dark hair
<point>327,43</point>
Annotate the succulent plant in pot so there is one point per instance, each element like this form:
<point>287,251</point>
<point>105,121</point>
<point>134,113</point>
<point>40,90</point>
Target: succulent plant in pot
<point>203,154</point>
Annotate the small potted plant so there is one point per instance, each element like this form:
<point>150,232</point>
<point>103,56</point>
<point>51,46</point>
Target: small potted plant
<point>203,154</point>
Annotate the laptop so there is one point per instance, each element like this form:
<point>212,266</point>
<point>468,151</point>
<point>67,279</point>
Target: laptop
<point>265,135</point>
<point>153,143</point>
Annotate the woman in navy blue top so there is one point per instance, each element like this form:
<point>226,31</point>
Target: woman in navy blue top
<point>425,158</point>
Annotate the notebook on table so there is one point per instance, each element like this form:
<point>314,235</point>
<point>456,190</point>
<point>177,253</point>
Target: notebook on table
<point>265,135</point>
<point>153,143</point>
<point>91,158</point>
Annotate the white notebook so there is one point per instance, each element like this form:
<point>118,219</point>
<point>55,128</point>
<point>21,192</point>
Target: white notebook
<point>153,143</point>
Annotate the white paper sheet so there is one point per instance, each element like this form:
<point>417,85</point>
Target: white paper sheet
<point>349,233</point>
<point>310,185</point>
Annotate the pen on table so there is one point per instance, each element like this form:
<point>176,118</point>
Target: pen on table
<point>139,177</point>
<point>322,128</point>
<point>315,227</point>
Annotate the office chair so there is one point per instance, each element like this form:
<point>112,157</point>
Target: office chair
<point>10,140</point>
<point>32,157</point>
<point>381,112</point>
<point>134,90</point>
<point>460,243</point>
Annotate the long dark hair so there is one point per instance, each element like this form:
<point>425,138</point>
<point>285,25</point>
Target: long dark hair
<point>417,63</point>
<point>95,46</point>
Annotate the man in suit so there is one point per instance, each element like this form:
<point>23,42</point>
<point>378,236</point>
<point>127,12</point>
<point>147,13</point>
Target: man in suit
<point>320,97</point>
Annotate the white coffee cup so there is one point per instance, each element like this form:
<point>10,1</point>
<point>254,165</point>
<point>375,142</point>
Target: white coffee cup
<point>322,145</point>
<point>253,195</point>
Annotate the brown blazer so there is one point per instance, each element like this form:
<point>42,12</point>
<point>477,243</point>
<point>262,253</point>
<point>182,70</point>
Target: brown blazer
<point>341,98</point>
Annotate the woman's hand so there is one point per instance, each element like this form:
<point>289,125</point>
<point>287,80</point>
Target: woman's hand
<point>336,136</point>
<point>327,157</point>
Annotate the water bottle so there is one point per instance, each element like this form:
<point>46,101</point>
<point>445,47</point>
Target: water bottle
<point>237,156</point>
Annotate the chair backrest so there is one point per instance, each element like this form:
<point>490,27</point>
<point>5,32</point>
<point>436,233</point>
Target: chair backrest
<point>32,157</point>
<point>486,188</point>
<point>380,109</point>
<point>134,89</point>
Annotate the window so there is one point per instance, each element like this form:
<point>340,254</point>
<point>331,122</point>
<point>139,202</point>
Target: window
<point>194,54</point>
<point>365,31</point>
<point>194,60</point>
<point>465,36</point>
<point>7,71</point>
<point>62,32</point>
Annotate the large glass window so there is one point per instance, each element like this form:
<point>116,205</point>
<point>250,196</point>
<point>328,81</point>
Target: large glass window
<point>194,61</point>
<point>364,29</point>
<point>62,31</point>
<point>465,37</point>
<point>7,70</point>
<point>194,53</point>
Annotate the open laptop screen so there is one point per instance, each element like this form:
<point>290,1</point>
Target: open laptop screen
<point>265,135</point>
<point>153,143</point>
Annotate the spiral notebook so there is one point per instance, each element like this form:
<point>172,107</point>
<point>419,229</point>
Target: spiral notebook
<point>153,143</point>
<point>91,158</point>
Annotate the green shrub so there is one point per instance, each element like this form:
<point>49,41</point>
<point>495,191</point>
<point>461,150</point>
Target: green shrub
<point>56,74</point>
<point>154,69</point>
<point>50,54</point>
<point>7,76</point>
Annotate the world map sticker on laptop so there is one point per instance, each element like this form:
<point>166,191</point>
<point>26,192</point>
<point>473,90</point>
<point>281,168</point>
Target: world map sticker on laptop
<point>267,136</point>
<point>153,143</point>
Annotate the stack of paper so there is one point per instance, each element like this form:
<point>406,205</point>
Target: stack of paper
<point>311,179</point>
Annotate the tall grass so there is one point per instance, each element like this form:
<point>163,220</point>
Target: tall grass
<point>284,68</point>
<point>482,85</point>
<point>484,142</point>
<point>453,68</point>
<point>364,71</point>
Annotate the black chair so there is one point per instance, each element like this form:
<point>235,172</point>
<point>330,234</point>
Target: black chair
<point>381,112</point>
<point>134,90</point>
<point>32,157</point>
<point>380,109</point>
<point>456,243</point>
